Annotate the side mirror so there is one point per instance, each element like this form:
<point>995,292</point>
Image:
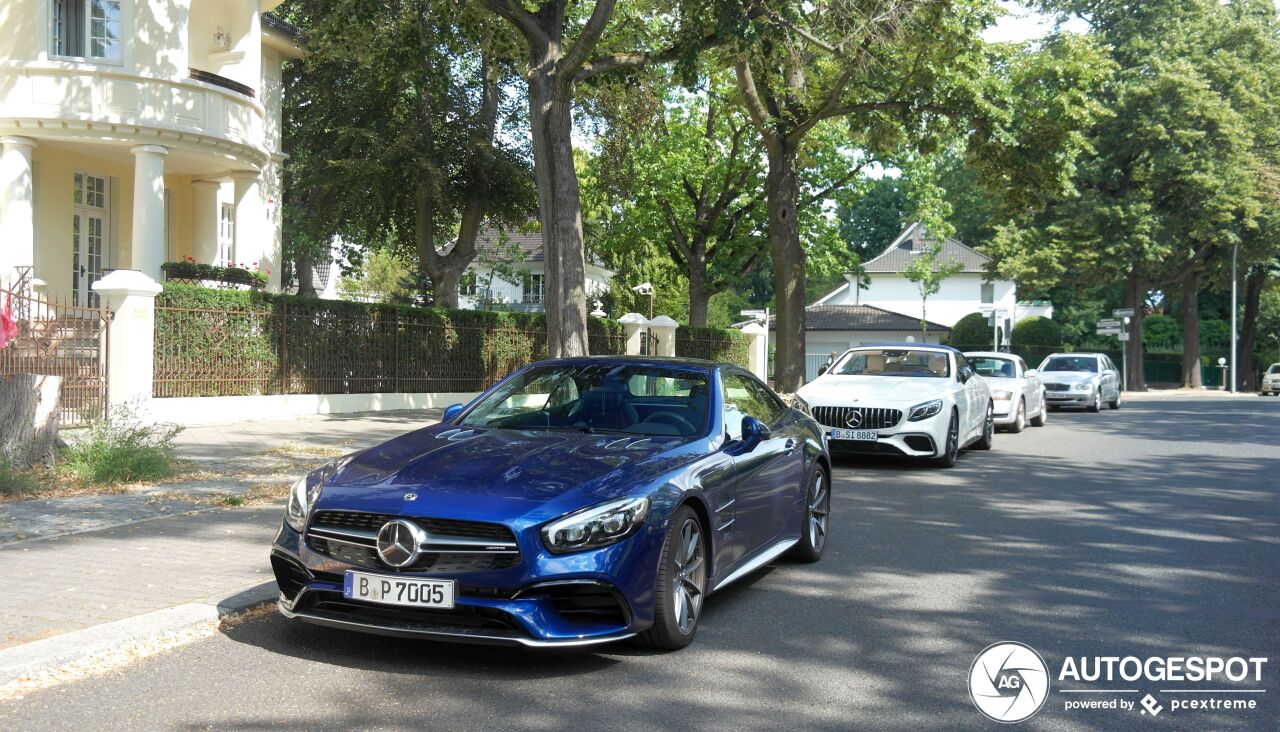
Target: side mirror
<point>964,374</point>
<point>754,432</point>
<point>1030,373</point>
<point>822,370</point>
<point>452,411</point>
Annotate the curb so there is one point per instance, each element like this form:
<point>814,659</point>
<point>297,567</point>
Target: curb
<point>33,658</point>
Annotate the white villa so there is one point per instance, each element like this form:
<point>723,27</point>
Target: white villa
<point>137,132</point>
<point>482,288</point>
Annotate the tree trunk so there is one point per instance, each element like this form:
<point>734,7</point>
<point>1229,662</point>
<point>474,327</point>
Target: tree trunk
<point>560,207</point>
<point>1191,330</point>
<point>1134,295</point>
<point>29,418</point>
<point>782,191</point>
<point>1248,377</point>
<point>699,294</point>
<point>306,276</point>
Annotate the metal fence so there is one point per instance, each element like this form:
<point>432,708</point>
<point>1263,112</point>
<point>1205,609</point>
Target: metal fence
<point>212,352</point>
<point>60,338</point>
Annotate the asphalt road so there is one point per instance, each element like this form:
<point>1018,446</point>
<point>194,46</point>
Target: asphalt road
<point>1151,531</point>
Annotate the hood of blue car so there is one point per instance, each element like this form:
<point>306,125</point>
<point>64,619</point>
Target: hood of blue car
<point>503,475</point>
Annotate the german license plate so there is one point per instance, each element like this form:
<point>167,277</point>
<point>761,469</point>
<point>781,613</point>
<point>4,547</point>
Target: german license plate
<point>389,590</point>
<point>862,435</point>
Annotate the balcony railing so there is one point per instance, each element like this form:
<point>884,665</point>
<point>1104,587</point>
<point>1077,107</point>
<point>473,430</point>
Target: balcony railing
<point>209,77</point>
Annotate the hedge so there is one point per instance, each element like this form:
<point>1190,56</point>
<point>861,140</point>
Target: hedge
<point>712,344</point>
<point>1037,331</point>
<point>971,333</point>
<point>228,342</point>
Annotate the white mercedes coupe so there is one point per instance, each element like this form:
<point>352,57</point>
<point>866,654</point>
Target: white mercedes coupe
<point>1015,389</point>
<point>907,399</point>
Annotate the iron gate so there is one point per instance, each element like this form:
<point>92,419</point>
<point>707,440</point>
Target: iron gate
<point>58,338</point>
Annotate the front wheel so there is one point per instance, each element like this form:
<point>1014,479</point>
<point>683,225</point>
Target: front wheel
<point>1116,403</point>
<point>951,451</point>
<point>988,430</point>
<point>1096,406</point>
<point>1043,416</point>
<point>817,517</point>
<point>681,584</point>
<point>1020,418</point>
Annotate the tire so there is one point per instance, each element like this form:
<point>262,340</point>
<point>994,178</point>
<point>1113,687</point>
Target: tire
<point>1116,403</point>
<point>952,449</point>
<point>1097,402</point>
<point>677,585</point>
<point>988,430</point>
<point>1043,416</point>
<point>1020,420</point>
<point>817,517</point>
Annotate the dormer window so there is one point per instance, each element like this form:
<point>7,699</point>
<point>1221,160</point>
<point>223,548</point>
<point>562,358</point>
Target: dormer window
<point>86,29</point>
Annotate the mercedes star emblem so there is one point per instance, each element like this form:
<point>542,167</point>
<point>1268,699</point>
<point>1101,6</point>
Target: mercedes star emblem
<point>854,419</point>
<point>399,542</point>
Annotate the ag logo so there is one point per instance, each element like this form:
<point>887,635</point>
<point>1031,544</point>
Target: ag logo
<point>1008,682</point>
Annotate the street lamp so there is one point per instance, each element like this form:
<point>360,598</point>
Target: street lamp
<point>646,288</point>
<point>599,311</point>
<point>1235,255</point>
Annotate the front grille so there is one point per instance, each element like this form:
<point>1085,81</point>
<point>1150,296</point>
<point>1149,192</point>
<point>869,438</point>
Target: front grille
<point>1055,387</point>
<point>872,418</point>
<point>351,537</point>
<point>447,527</point>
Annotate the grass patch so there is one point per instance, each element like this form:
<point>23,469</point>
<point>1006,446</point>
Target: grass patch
<point>123,448</point>
<point>15,483</point>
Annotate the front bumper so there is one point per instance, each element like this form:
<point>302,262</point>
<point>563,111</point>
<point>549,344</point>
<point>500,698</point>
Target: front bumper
<point>546,600</point>
<point>1270,386</point>
<point>924,438</point>
<point>1069,398</point>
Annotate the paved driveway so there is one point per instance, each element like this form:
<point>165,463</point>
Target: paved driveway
<point>1150,531</point>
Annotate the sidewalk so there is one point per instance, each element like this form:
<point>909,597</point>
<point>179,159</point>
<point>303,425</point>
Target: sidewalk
<point>78,562</point>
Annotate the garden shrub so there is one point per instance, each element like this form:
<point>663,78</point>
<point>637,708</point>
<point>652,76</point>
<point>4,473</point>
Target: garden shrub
<point>971,333</point>
<point>1036,331</point>
<point>123,448</point>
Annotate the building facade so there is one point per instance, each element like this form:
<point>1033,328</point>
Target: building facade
<point>136,132</point>
<point>970,290</point>
<point>509,271</point>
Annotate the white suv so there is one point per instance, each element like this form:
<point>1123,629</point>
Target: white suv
<point>1271,381</point>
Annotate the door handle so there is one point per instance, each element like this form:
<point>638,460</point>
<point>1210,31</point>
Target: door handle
<point>790,445</point>
<point>82,270</point>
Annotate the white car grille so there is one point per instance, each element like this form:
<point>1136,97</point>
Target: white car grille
<point>862,418</point>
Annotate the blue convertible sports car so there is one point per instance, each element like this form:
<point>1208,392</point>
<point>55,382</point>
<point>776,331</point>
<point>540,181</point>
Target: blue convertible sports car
<point>577,501</point>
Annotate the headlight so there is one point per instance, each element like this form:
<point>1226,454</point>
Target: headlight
<point>1001,394</point>
<point>924,411</point>
<point>301,498</point>
<point>595,527</point>
<point>1083,386</point>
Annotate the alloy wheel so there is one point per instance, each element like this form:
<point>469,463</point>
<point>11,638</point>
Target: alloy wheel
<point>953,436</point>
<point>989,428</point>
<point>1022,416</point>
<point>819,509</point>
<point>690,575</point>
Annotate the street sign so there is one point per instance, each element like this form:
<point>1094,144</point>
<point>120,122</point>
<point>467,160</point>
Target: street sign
<point>1124,336</point>
<point>1108,331</point>
<point>1122,313</point>
<point>1108,323</point>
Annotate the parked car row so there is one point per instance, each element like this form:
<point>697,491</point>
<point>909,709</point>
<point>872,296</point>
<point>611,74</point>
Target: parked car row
<point>930,402</point>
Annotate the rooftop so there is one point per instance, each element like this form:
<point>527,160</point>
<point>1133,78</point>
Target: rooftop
<point>913,241</point>
<point>859,317</point>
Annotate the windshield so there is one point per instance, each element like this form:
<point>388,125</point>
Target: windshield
<point>643,400</point>
<point>997,368</point>
<point>1275,369</point>
<point>1070,363</point>
<point>893,362</point>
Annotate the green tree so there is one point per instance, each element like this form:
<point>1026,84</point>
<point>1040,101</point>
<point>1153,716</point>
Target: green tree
<point>927,271</point>
<point>872,215</point>
<point>395,134</point>
<point>901,77</point>
<point>383,276</point>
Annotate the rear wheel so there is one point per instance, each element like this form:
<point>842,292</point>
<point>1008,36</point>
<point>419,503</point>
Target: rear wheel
<point>817,517</point>
<point>988,430</point>
<point>1115,404</point>
<point>951,450</point>
<point>681,584</point>
<point>1020,418</point>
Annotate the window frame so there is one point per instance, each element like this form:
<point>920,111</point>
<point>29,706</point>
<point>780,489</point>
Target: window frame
<point>86,38</point>
<point>780,408</point>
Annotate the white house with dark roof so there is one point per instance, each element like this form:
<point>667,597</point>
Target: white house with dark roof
<point>483,287</point>
<point>968,291</point>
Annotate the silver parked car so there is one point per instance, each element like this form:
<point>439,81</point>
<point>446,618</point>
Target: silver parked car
<point>1271,381</point>
<point>1080,380</point>
<point>1016,390</point>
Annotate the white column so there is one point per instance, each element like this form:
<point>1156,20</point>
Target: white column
<point>204,220</point>
<point>252,233</point>
<point>664,329</point>
<point>131,296</point>
<point>147,252</point>
<point>17,211</point>
<point>633,325</point>
<point>757,350</point>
